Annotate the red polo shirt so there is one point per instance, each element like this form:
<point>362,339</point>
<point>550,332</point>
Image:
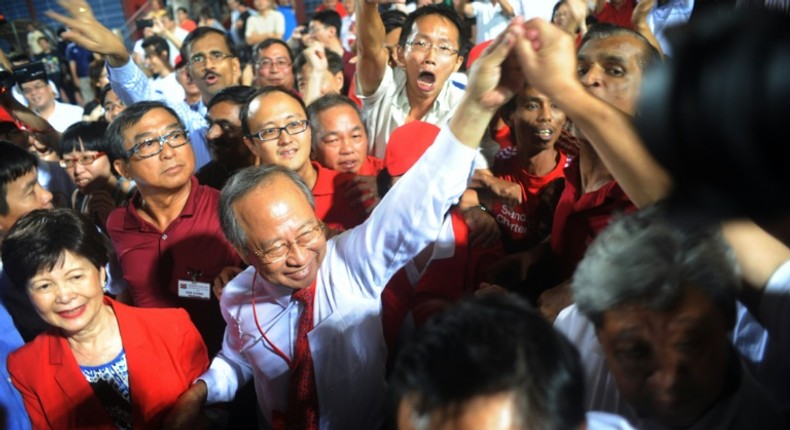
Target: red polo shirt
<point>580,217</point>
<point>192,247</point>
<point>331,205</point>
<point>371,166</point>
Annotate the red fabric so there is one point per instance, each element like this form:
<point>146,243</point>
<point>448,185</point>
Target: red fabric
<point>371,167</point>
<point>503,137</point>
<point>331,204</point>
<point>164,354</point>
<point>475,52</point>
<point>153,261</point>
<point>339,8</point>
<point>621,17</point>
<point>302,391</point>
<point>5,116</point>
<point>443,282</point>
<point>406,145</point>
<point>580,217</point>
<point>188,25</point>
<point>527,224</point>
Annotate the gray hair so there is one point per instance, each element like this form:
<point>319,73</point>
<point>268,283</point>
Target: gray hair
<point>644,258</point>
<point>242,183</point>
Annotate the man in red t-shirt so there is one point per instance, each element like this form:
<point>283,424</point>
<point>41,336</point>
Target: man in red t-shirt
<point>535,163</point>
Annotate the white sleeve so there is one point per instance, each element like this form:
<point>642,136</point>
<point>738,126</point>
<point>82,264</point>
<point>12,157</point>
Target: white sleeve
<point>408,218</point>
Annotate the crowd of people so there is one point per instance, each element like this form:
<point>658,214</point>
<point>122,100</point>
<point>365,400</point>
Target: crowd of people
<point>490,214</point>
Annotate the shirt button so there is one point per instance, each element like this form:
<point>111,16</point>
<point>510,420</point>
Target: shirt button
<point>164,237</point>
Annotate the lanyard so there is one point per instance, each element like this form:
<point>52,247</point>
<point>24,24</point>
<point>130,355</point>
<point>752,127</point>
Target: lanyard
<point>277,350</point>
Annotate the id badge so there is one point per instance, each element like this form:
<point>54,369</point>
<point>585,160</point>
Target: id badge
<point>194,289</point>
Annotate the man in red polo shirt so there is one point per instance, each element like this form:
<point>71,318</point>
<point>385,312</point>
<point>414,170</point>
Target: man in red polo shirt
<point>276,129</point>
<point>168,239</point>
<point>340,142</point>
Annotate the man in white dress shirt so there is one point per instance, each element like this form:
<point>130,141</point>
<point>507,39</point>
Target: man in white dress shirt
<point>267,215</point>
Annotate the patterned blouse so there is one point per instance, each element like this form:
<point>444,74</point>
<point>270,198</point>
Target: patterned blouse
<point>110,382</point>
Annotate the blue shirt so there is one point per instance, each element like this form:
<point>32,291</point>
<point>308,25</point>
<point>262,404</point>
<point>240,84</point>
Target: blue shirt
<point>132,86</point>
<point>15,417</point>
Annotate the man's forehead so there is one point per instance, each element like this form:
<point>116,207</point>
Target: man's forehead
<point>336,114</point>
<point>208,42</point>
<point>274,51</point>
<point>434,25</point>
<point>624,46</point>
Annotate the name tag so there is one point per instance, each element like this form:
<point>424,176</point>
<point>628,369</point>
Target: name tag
<point>194,290</point>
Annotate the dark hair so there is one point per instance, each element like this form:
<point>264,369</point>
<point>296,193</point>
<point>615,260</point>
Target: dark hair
<point>334,61</point>
<point>238,94</point>
<point>127,119</point>
<point>432,9</point>
<point>245,110</point>
<point>393,18</point>
<point>15,162</point>
<point>650,57</point>
<point>273,41</point>
<point>159,43</point>
<point>40,239</point>
<point>88,134</point>
<point>183,9</point>
<point>169,14</point>
<point>206,12</point>
<point>103,94</point>
<point>329,18</point>
<point>492,345</point>
<point>200,33</point>
<point>325,102</point>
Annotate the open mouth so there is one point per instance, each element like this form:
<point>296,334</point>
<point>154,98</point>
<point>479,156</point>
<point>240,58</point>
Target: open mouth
<point>210,78</point>
<point>545,133</point>
<point>288,153</point>
<point>426,81</point>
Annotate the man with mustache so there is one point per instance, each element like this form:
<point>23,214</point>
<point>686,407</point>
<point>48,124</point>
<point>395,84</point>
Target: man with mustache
<point>210,55</point>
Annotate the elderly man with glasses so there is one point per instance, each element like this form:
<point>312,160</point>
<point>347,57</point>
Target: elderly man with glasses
<point>304,320</point>
<point>167,238</point>
<point>273,61</point>
<point>210,55</point>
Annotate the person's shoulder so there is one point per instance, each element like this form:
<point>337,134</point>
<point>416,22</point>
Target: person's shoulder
<point>606,421</point>
<point>70,109</point>
<point>31,352</point>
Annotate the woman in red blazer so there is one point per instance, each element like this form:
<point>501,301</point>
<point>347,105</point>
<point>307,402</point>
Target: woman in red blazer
<point>103,364</point>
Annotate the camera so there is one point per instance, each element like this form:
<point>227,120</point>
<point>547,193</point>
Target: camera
<point>144,23</point>
<point>7,80</point>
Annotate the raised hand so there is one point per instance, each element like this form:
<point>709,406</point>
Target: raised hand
<point>85,30</point>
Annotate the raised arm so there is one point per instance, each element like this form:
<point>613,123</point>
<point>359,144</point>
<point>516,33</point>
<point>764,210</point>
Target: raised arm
<point>371,54</point>
<point>464,8</point>
<point>548,57</point>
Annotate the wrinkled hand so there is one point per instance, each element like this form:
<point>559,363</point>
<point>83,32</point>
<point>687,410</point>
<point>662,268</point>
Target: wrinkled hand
<point>510,271</point>
<point>225,275</point>
<point>555,299</point>
<point>508,192</point>
<point>547,55</point>
<point>483,228</point>
<point>363,193</point>
<point>487,84</point>
<point>85,30</point>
